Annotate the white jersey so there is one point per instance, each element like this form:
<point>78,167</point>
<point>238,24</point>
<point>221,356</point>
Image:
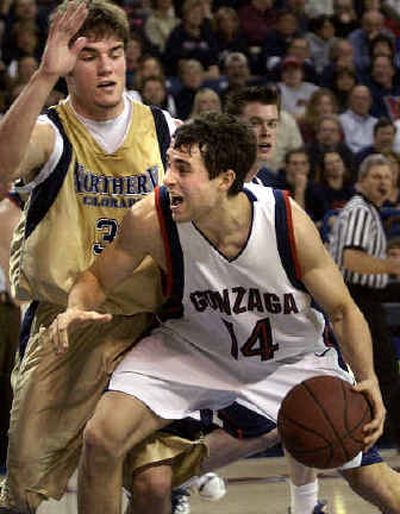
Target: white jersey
<point>251,309</point>
<point>233,329</point>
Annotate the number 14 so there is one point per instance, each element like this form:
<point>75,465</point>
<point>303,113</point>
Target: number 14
<point>259,343</point>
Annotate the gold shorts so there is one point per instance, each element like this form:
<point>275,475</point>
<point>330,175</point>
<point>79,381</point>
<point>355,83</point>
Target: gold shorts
<point>55,395</point>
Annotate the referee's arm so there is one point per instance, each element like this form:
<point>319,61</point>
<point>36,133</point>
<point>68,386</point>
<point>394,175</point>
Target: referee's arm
<point>359,261</point>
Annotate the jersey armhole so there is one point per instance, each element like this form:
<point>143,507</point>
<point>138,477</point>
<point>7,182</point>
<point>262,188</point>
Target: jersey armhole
<point>49,165</point>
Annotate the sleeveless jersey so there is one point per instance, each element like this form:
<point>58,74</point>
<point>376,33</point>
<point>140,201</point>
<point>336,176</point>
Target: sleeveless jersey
<point>250,314</point>
<point>72,215</point>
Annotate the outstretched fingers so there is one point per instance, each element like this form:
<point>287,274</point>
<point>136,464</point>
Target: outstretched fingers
<point>59,331</point>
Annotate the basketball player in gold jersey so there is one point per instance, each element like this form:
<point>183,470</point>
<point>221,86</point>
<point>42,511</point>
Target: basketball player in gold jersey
<point>83,164</point>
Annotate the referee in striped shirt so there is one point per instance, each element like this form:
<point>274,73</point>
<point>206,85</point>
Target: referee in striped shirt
<point>358,245</point>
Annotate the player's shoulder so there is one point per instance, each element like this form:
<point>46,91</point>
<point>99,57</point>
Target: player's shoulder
<point>144,214</point>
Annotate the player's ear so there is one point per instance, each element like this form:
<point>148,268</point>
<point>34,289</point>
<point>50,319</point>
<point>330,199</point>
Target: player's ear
<point>228,178</point>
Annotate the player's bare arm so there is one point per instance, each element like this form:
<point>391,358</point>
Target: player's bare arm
<point>24,144</point>
<point>139,237</point>
<point>325,283</point>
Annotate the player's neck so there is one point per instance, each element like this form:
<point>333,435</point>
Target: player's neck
<point>228,225</point>
<point>97,113</point>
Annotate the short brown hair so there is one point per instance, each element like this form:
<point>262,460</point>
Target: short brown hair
<point>104,19</point>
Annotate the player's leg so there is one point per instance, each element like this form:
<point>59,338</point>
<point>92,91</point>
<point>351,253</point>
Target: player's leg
<point>303,486</point>
<point>151,491</point>
<point>54,395</point>
<point>243,432</point>
<point>120,422</point>
<point>375,482</point>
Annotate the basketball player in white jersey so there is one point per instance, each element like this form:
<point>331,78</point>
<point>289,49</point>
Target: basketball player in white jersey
<point>83,164</point>
<point>240,324</point>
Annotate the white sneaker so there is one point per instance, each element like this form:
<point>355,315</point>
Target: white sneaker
<point>210,487</point>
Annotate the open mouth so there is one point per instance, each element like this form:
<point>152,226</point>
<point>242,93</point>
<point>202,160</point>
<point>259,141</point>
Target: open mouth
<point>266,147</point>
<point>175,201</point>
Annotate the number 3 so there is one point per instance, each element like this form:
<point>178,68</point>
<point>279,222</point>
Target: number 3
<point>107,229</point>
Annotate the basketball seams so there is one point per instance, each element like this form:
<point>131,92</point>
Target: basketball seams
<point>321,420</point>
<point>327,416</point>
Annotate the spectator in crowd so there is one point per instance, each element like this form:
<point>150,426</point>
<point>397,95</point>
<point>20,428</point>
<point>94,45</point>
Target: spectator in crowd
<point>299,48</point>
<point>372,24</point>
<point>257,17</point>
<point>344,18</point>
<point>193,38</point>
<point>191,75</point>
<point>153,91</point>
<point>315,8</point>
<point>288,137</point>
<point>228,34</point>
<point>328,137</point>
<point>278,39</point>
<point>321,37</point>
<point>148,66</point>
<point>322,103</point>
<point>237,73</point>
<point>26,67</point>
<point>206,100</point>
<point>383,142</point>
<point>334,187</point>
<point>295,92</point>
<point>296,177</point>
<point>298,8</point>
<point>382,44</point>
<point>393,199</point>
<point>357,123</point>
<point>24,29</point>
<point>25,44</point>
<point>160,23</point>
<point>343,82</point>
<point>384,85</point>
<point>134,52</point>
<point>358,245</point>
<point>341,57</point>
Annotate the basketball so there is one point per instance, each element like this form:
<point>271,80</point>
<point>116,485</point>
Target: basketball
<point>321,421</point>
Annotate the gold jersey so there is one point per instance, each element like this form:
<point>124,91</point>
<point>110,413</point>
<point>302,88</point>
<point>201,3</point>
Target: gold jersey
<point>73,214</point>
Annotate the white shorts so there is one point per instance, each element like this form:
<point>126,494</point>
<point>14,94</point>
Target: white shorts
<point>175,382</point>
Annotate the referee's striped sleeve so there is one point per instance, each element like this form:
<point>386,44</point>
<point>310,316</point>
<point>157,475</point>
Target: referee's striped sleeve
<point>357,229</point>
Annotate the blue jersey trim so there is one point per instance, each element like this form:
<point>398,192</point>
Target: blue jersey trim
<point>162,131</point>
<point>26,326</point>
<point>44,195</point>
<point>173,307</point>
<point>282,236</point>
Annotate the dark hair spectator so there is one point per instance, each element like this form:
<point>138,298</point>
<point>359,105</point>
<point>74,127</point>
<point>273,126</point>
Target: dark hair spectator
<point>228,33</point>
<point>193,38</point>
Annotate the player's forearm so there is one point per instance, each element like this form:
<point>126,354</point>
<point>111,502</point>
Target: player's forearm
<point>355,341</point>
<point>87,292</point>
<point>17,125</point>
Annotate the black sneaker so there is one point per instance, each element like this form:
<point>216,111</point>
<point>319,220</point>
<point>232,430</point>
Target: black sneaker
<point>180,501</point>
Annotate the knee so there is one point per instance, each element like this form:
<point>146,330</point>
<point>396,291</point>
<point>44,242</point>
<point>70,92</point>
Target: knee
<point>154,483</point>
<point>100,444</point>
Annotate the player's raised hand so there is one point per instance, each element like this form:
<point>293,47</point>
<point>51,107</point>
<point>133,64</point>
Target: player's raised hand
<point>374,429</point>
<point>58,331</point>
<point>59,56</point>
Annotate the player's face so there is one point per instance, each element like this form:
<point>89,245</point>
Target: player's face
<point>263,119</point>
<point>192,194</point>
<point>97,81</point>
